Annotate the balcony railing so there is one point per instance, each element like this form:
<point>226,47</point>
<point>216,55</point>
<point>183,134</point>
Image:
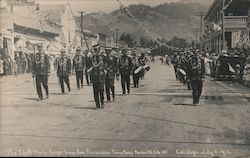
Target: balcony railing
<point>235,21</point>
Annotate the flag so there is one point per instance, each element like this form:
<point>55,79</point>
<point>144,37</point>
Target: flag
<point>42,25</point>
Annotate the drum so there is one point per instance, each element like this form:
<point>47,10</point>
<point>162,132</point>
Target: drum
<point>182,72</point>
<point>138,70</point>
<point>90,69</point>
<point>146,67</point>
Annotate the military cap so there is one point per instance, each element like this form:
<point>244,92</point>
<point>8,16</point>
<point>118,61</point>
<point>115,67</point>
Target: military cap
<point>96,45</point>
<point>39,44</point>
<point>78,48</point>
<point>62,50</point>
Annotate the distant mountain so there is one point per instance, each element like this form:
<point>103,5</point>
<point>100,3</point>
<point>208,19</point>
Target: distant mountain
<point>163,21</point>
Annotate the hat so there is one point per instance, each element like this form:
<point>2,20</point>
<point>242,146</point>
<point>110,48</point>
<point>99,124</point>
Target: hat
<point>78,48</point>
<point>96,46</point>
<point>62,50</point>
<point>39,44</point>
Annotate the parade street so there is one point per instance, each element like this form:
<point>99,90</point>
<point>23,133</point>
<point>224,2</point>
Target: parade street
<point>157,119</point>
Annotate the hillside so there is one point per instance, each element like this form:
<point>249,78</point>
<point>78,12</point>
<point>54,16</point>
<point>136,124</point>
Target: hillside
<point>163,21</point>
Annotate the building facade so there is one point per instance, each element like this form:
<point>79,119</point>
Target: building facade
<point>234,20</point>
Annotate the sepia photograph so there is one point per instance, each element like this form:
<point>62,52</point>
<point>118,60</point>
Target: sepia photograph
<point>125,78</point>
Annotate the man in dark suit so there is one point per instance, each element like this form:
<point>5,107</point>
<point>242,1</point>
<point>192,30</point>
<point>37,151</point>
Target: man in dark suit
<point>63,70</point>
<point>196,74</point>
<point>41,70</point>
<point>78,66</point>
<point>97,76</point>
<point>125,69</point>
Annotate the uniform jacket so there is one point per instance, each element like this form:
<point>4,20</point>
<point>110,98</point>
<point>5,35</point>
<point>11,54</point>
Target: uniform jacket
<point>135,62</point>
<point>99,67</point>
<point>88,62</point>
<point>40,64</point>
<point>78,63</point>
<point>112,66</point>
<point>142,61</point>
<point>63,66</point>
<point>196,68</point>
<point>125,65</point>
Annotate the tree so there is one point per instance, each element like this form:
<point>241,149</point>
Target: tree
<point>128,39</point>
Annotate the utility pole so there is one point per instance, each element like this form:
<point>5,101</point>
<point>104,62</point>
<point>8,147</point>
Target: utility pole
<point>201,30</point>
<point>12,31</point>
<point>116,37</point>
<point>223,25</point>
<point>83,31</point>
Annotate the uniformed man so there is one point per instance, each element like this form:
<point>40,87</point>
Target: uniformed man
<point>41,70</point>
<point>142,61</point>
<point>136,65</point>
<point>112,67</point>
<point>175,64</point>
<point>78,66</point>
<point>125,69</point>
<point>88,65</point>
<point>63,70</point>
<point>97,76</point>
<point>196,74</point>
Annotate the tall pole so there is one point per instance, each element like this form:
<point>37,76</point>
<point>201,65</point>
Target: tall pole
<point>116,37</point>
<point>83,31</point>
<point>12,32</point>
<point>201,29</point>
<point>223,26</point>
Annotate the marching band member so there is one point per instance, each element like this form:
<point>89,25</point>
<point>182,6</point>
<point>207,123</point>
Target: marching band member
<point>97,76</point>
<point>197,75</point>
<point>41,70</point>
<point>125,69</point>
<point>78,66</point>
<point>136,75</point>
<point>112,72</point>
<point>63,70</point>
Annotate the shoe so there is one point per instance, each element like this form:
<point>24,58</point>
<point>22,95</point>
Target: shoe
<point>47,97</point>
<point>82,86</point>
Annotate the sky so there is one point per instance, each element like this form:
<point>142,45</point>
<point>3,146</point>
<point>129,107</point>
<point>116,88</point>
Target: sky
<point>103,5</point>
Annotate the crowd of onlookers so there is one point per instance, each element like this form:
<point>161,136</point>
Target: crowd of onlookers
<point>20,65</point>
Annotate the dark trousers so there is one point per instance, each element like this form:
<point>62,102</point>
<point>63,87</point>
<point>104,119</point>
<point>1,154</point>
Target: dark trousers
<point>109,85</point>
<point>197,90</point>
<point>189,84</point>
<point>63,79</point>
<point>87,77</point>
<point>125,81</point>
<point>42,79</point>
<point>175,70</point>
<point>136,80</point>
<point>79,78</point>
<point>98,89</point>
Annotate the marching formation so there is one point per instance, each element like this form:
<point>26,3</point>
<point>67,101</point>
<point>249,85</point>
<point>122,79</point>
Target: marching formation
<point>101,67</point>
<point>190,70</point>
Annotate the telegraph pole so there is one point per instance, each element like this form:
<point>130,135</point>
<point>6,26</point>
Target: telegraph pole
<point>201,30</point>
<point>223,25</point>
<point>12,30</point>
<point>83,31</point>
<point>116,37</point>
